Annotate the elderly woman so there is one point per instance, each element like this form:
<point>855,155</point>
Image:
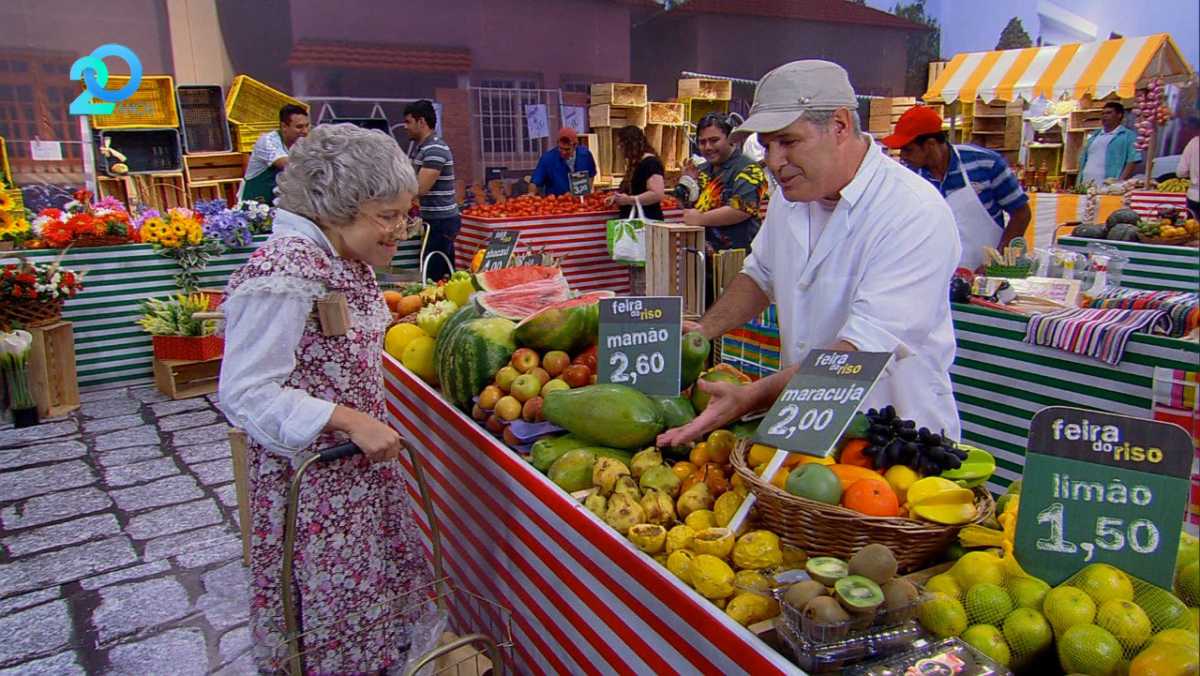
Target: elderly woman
<point>295,390</point>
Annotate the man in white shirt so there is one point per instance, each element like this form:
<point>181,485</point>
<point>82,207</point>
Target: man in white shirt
<point>270,154</point>
<point>857,253</point>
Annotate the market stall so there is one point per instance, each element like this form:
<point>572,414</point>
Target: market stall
<point>1050,211</point>
<point>1150,266</point>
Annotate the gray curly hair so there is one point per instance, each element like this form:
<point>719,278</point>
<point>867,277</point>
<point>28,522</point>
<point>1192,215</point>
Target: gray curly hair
<point>338,167</point>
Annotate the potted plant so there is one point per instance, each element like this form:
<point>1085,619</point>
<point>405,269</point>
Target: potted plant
<point>176,333</point>
<point>14,363</point>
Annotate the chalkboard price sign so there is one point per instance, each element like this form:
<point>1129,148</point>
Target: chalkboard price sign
<point>640,343</point>
<point>500,247</point>
<point>1102,488</point>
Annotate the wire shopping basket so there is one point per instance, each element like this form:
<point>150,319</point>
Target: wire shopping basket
<point>487,646</point>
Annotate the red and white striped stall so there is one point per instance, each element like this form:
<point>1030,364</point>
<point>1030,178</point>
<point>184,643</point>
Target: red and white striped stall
<point>583,599</point>
<point>1147,202</point>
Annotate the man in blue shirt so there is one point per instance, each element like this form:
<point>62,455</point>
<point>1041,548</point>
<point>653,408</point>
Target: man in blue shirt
<point>1110,151</point>
<point>978,212</point>
<point>553,173</point>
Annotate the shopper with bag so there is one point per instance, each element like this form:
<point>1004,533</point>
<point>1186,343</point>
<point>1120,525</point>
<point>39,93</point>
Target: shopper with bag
<point>644,172</point>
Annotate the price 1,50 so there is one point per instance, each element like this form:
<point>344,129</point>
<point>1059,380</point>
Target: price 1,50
<point>1111,535</point>
<point>812,419</point>
<point>643,365</point>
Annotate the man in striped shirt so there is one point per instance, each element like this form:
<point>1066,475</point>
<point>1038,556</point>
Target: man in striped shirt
<point>435,178</point>
<point>995,190</point>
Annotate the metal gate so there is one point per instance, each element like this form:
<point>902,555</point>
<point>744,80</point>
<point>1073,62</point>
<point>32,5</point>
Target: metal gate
<point>499,119</point>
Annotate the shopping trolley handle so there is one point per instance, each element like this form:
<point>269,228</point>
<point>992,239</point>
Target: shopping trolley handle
<point>338,452</point>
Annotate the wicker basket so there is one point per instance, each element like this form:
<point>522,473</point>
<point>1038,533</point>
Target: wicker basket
<point>99,240</point>
<point>29,313</point>
<point>188,348</point>
<point>830,530</point>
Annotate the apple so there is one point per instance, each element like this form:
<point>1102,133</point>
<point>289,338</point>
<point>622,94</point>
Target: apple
<point>542,375</point>
<point>508,408</point>
<point>525,360</point>
<point>555,361</point>
<point>505,378</point>
<point>577,375</point>
<point>525,387</point>
<point>510,438</point>
<point>556,384</point>
<point>532,411</point>
<point>494,424</point>
<point>478,413</point>
<point>489,396</point>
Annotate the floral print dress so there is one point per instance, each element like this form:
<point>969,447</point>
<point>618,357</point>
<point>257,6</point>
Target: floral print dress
<point>357,543</point>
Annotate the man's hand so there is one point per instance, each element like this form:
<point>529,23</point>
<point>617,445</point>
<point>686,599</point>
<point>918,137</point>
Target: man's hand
<point>693,217</point>
<point>728,403</point>
<point>689,326</point>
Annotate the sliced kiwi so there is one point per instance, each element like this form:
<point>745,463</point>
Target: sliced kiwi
<point>859,595</point>
<point>900,599</point>
<point>798,595</point>
<point>824,620</point>
<point>874,561</point>
<point>826,569</point>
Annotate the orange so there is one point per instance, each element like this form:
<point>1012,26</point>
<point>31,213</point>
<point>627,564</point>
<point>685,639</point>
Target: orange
<point>392,298</point>
<point>409,305</point>
<point>852,454</point>
<point>848,474</point>
<point>699,455</point>
<point>871,497</point>
<point>683,469</point>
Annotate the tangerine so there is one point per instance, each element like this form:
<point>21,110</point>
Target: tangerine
<point>853,454</point>
<point>871,497</point>
<point>392,298</point>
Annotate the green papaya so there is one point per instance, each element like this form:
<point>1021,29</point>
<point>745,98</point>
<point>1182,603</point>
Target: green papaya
<point>573,471</point>
<point>548,449</point>
<point>677,411</point>
<point>615,416</point>
<point>694,348</point>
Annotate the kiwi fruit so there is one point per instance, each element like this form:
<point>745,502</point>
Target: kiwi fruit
<point>824,620</point>
<point>875,562</point>
<point>861,597</point>
<point>826,569</point>
<point>900,600</point>
<point>798,595</point>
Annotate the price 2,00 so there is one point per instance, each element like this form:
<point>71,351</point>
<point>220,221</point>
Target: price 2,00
<point>1111,534</point>
<point>643,365</point>
<point>813,419</point>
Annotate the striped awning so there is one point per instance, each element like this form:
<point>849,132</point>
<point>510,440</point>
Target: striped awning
<point>1095,69</point>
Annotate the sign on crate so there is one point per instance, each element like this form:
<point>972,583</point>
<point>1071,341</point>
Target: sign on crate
<point>639,343</point>
<point>820,400</point>
<point>1102,488</point>
<point>500,247</point>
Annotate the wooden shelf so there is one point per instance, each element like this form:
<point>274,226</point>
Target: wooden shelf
<point>1035,146</point>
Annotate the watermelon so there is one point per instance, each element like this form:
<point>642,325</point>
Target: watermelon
<point>476,350</point>
<point>518,302</point>
<point>504,278</point>
<point>463,315</point>
<point>568,326</point>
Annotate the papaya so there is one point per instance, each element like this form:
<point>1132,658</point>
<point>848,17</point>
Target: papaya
<point>615,416</point>
<point>573,471</point>
<point>677,411</point>
<point>548,449</point>
<point>694,355</point>
<point>615,453</point>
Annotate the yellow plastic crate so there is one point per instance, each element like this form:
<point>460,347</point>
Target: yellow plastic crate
<point>245,135</point>
<point>5,170</point>
<point>18,203</point>
<point>152,106</point>
<point>250,101</point>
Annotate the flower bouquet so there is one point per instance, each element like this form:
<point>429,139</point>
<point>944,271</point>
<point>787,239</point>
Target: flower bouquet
<point>81,223</point>
<point>180,235</point>
<point>14,364</point>
<point>176,333</point>
<point>14,230</point>
<point>260,216</point>
<point>33,294</point>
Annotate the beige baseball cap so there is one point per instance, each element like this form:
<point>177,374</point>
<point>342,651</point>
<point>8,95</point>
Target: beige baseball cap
<point>787,92</point>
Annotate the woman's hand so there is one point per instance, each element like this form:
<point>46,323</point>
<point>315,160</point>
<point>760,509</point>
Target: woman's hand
<point>378,441</point>
<point>619,199</point>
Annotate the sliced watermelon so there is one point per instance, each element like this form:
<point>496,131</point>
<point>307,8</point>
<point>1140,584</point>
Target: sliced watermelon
<point>569,326</point>
<point>505,278</point>
<point>518,302</point>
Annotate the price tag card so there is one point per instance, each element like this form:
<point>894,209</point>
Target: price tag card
<point>500,247</point>
<point>640,343</point>
<point>820,400</point>
<point>581,183</point>
<point>1102,488</point>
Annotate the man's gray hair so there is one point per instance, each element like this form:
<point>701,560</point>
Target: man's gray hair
<point>823,118</point>
<point>338,167</point>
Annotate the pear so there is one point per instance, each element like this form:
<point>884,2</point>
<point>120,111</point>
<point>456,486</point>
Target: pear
<point>626,485</point>
<point>596,504</point>
<point>695,498</point>
<point>660,478</point>
<point>644,460</point>
<point>605,473</point>
<point>623,513</point>
<point>658,507</point>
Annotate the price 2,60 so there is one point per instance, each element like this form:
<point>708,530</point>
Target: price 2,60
<point>643,365</point>
<point>1111,534</point>
<point>812,419</point>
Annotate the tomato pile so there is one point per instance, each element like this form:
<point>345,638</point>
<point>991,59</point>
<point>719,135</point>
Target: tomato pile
<point>531,206</point>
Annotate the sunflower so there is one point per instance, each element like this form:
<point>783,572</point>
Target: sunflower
<point>6,203</point>
<point>7,223</point>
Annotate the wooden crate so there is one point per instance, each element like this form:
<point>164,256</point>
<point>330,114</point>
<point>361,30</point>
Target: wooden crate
<point>223,190</point>
<point>606,152</point>
<point>589,141</point>
<point>179,379</point>
<point>893,104</point>
<point>703,88</point>
<point>52,377</point>
<point>619,94</point>
<point>605,115</point>
<point>665,113</point>
<point>673,266</point>
<point>241,487</point>
<point>202,168</point>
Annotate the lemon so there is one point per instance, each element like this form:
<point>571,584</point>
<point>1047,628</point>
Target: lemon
<point>418,358</point>
<point>1027,592</point>
<point>759,455</point>
<point>1067,607</point>
<point>944,583</point>
<point>700,519</point>
<point>398,338</point>
<point>976,567</point>
<point>1103,583</point>
<point>679,537</point>
<point>943,616</point>
<point>1028,633</point>
<point>901,478</point>
<point>1126,621</point>
<point>711,576</point>
<point>757,550</point>
<point>725,507</point>
<point>1181,637</point>
<point>1088,649</point>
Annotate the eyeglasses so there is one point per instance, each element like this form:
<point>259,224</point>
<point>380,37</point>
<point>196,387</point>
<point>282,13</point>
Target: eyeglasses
<point>406,227</point>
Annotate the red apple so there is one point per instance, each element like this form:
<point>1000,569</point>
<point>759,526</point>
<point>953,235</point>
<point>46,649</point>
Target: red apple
<point>532,411</point>
<point>525,387</point>
<point>525,360</point>
<point>577,375</point>
<point>489,396</point>
<point>479,414</point>
<point>510,438</point>
<point>543,376</point>
<point>556,384</point>
<point>505,378</point>
<point>494,424</point>
<point>508,408</point>
<point>555,361</point>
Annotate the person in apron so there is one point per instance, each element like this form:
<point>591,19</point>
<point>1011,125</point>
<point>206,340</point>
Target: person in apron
<point>270,154</point>
<point>976,182</point>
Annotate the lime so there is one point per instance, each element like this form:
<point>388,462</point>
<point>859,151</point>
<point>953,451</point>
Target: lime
<point>946,584</point>
<point>1103,582</point>
<point>1187,583</point>
<point>988,640</point>
<point>1066,607</point>
<point>1088,649</point>
<point>943,616</point>
<point>987,604</point>
<point>1027,592</point>
<point>1126,621</point>
<point>1162,607</point>
<point>1028,633</point>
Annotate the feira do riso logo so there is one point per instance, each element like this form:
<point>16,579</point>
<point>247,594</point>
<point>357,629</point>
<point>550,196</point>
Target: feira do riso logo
<point>94,73</point>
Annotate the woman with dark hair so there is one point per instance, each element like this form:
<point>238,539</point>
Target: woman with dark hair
<point>643,175</point>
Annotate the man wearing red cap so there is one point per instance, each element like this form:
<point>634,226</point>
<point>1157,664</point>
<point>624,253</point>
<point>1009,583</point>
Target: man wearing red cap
<point>557,166</point>
<point>994,190</point>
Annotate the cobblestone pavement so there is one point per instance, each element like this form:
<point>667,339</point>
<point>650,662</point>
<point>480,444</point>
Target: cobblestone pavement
<point>119,545</point>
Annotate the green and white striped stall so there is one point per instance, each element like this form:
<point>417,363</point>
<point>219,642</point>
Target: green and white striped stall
<point>110,348</point>
<point>1000,381</point>
<point>1151,266</point>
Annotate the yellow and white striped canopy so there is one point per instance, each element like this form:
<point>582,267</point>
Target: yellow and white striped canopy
<point>1095,69</point>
